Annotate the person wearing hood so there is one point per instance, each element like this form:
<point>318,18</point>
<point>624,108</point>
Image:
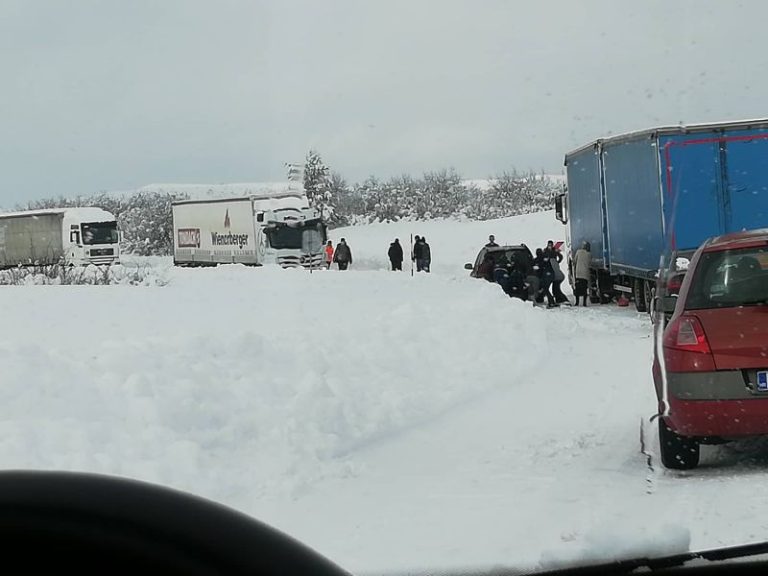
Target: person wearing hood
<point>343,255</point>
<point>395,254</point>
<point>426,256</point>
<point>581,261</point>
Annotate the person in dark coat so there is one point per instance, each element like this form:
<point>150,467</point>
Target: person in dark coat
<point>549,251</point>
<point>343,255</point>
<point>516,286</point>
<point>546,275</point>
<point>426,255</point>
<point>491,242</point>
<point>395,254</point>
<point>417,251</point>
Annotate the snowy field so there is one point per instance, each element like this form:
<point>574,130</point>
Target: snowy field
<point>393,423</point>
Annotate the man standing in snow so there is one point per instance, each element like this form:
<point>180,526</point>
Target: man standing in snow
<point>417,250</point>
<point>395,254</point>
<point>581,261</point>
<point>426,255</point>
<point>491,242</point>
<point>343,255</point>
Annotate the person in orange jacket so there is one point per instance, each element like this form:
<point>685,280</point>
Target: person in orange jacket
<point>328,254</point>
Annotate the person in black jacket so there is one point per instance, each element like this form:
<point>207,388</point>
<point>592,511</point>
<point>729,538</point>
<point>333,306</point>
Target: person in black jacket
<point>417,251</point>
<point>343,255</point>
<point>546,276</point>
<point>426,255</point>
<point>395,254</point>
<point>516,285</point>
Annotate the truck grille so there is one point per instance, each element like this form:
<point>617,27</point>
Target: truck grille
<point>102,252</point>
<point>303,261</point>
<point>103,260</point>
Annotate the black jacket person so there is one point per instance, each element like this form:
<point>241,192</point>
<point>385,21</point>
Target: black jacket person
<point>343,255</point>
<point>395,254</point>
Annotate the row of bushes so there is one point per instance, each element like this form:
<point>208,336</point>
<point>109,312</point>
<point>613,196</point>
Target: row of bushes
<point>146,220</point>
<point>59,275</point>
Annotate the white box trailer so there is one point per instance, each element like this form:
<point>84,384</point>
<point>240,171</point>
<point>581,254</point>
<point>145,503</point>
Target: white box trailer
<point>277,229</point>
<point>69,236</point>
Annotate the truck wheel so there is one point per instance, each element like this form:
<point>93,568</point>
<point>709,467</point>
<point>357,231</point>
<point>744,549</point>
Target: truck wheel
<point>677,452</point>
<point>638,292</point>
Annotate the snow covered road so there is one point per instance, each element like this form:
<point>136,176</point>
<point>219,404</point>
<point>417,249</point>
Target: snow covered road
<point>391,422</point>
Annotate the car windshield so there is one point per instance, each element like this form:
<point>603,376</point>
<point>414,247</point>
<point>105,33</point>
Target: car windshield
<point>274,214</point>
<point>730,278</point>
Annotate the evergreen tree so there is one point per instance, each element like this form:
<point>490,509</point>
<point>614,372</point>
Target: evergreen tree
<point>317,184</point>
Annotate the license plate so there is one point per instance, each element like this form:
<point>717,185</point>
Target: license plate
<point>762,381</point>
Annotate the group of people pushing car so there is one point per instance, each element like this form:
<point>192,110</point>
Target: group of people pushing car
<point>541,280</point>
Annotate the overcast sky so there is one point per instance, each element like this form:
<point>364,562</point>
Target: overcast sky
<point>111,95</point>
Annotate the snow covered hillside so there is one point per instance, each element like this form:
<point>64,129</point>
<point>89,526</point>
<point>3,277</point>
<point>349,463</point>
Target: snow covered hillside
<point>390,422</point>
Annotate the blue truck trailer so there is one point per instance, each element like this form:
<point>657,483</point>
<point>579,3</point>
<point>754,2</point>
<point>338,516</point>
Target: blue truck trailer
<point>643,196</point>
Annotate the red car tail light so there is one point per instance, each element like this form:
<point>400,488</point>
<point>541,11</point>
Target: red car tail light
<point>686,348</point>
<point>686,333</point>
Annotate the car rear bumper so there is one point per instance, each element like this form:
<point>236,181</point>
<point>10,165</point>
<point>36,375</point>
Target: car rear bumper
<point>722,418</point>
<point>722,403</point>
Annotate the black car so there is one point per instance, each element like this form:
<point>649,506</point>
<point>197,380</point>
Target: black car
<point>519,255</point>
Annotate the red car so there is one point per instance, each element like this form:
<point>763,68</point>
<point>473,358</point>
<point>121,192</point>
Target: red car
<point>711,367</point>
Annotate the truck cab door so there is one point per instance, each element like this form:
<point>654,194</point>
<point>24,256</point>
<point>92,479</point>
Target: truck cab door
<point>74,236</point>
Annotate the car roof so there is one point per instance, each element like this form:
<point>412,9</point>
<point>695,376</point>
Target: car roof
<point>506,248</point>
<point>747,239</point>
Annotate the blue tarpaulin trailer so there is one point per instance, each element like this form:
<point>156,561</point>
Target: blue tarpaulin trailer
<point>639,196</point>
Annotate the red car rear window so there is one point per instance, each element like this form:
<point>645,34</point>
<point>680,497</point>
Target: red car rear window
<point>730,278</point>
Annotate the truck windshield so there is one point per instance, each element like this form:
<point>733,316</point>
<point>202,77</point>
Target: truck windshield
<point>100,233</point>
<point>730,278</point>
<point>304,237</point>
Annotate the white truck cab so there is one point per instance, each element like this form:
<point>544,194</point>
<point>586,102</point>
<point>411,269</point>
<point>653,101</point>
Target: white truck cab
<point>70,236</point>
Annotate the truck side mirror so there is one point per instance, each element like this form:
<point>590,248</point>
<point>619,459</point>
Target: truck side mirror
<point>560,206</point>
<point>468,266</point>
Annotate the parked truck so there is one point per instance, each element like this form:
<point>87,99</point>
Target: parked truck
<point>69,236</point>
<point>275,228</point>
<point>659,193</point>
